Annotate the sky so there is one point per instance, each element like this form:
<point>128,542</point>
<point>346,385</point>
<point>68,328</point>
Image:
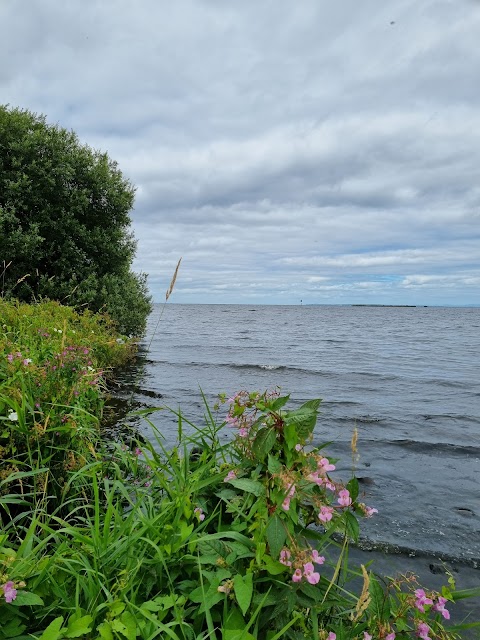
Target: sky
<point>288,150</point>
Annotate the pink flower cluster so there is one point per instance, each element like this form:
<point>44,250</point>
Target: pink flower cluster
<point>319,476</point>
<point>9,591</point>
<point>305,569</point>
<point>439,606</point>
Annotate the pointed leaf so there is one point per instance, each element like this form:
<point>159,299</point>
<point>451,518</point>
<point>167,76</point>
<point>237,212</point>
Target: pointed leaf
<point>276,535</point>
<point>243,588</point>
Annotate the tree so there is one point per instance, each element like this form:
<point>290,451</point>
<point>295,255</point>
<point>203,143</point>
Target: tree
<point>64,222</point>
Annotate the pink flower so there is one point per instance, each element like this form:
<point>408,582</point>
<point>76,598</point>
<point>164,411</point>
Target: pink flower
<point>366,636</point>
<point>285,556</point>
<point>298,447</point>
<point>440,607</point>
<point>310,573</point>
<point>324,466</point>
<point>297,576</point>
<point>243,432</point>
<point>10,357</point>
<point>423,630</point>
<point>231,475</point>
<point>314,477</point>
<point>286,504</point>
<point>422,600</point>
<point>198,511</point>
<point>332,636</point>
<point>390,636</point>
<point>325,514</point>
<point>9,592</point>
<point>231,420</point>
<point>344,498</point>
<point>138,452</point>
<point>316,558</point>
<point>369,511</point>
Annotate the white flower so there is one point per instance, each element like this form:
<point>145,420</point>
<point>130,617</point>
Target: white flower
<point>13,416</point>
<point>120,341</point>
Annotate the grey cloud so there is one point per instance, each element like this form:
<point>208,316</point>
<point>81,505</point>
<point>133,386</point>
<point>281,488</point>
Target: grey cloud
<point>284,149</point>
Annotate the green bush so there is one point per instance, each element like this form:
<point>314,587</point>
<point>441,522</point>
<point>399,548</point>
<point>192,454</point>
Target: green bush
<point>64,222</point>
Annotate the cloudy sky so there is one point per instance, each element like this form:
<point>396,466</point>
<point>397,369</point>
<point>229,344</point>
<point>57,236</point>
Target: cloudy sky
<point>288,149</point>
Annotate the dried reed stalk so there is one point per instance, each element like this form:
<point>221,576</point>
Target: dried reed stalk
<point>172,283</point>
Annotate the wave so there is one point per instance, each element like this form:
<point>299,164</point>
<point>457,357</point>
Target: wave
<point>365,544</point>
<point>436,447</point>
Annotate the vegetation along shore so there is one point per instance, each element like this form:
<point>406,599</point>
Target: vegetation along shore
<point>207,540</point>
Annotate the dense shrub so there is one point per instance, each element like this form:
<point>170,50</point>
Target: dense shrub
<point>64,222</point>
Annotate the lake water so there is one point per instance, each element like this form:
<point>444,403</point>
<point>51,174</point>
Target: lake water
<point>407,378</point>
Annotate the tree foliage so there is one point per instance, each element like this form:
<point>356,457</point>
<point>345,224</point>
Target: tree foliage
<point>64,222</point>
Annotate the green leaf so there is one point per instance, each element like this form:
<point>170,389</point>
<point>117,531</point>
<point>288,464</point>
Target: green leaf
<point>243,588</point>
<point>79,627</point>
<point>304,418</point>
<point>105,631</point>
<point>52,632</point>
<point>264,442</point>
<point>352,528</point>
<point>26,597</point>
<point>291,435</point>
<point>276,535</point>
<point>273,567</point>
<point>12,629</point>
<point>379,605</point>
<point>249,486</point>
<point>353,488</point>
<point>278,403</point>
<point>237,634</point>
<point>130,625</point>
<point>274,464</point>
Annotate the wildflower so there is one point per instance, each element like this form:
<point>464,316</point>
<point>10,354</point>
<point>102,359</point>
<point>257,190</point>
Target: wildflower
<point>231,475</point>
<point>325,514</point>
<point>243,432</point>
<point>10,357</point>
<point>369,511</point>
<point>366,636</point>
<point>390,636</point>
<point>422,600</point>
<point>9,592</point>
<point>298,447</point>
<point>198,511</point>
<point>324,466</point>
<point>344,498</point>
<point>285,557</point>
<point>138,452</point>
<point>440,607</point>
<point>226,587</point>
<point>286,504</point>
<point>119,341</point>
<point>423,630</point>
<point>297,576</point>
<point>13,416</point>
<point>332,636</point>
<point>317,558</point>
<point>310,574</point>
